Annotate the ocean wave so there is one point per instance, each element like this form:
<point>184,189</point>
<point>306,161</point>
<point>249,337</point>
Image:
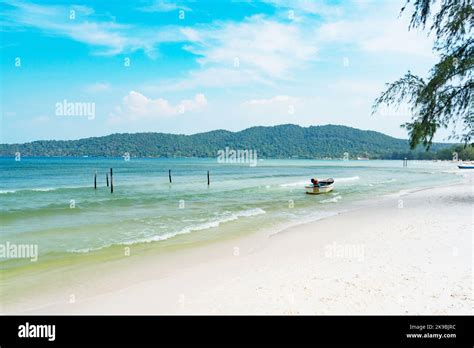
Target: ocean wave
<point>382,182</point>
<point>301,220</point>
<point>454,171</point>
<point>334,199</point>
<point>41,189</point>
<point>387,181</point>
<point>351,178</point>
<point>193,228</point>
<point>299,183</point>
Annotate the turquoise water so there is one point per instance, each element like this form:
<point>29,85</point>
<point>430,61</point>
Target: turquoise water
<point>51,202</point>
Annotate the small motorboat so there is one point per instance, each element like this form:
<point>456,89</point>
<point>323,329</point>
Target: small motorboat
<point>466,165</point>
<point>323,186</point>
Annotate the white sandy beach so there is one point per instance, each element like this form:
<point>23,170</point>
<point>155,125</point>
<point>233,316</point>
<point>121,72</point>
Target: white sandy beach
<point>403,254</point>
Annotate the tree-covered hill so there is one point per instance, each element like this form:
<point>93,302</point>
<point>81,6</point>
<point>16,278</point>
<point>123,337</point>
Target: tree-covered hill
<point>281,141</point>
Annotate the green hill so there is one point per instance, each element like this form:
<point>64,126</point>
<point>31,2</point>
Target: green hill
<point>281,141</point>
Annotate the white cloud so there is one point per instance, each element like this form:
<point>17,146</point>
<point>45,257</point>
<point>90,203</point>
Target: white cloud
<point>98,87</point>
<point>107,37</point>
<point>213,77</point>
<point>375,28</point>
<point>276,110</point>
<point>268,51</point>
<point>268,47</point>
<point>376,36</point>
<point>163,6</point>
<point>137,107</point>
<point>304,7</point>
<point>369,25</point>
<point>392,39</point>
<point>279,99</point>
<point>256,51</point>
<point>41,119</point>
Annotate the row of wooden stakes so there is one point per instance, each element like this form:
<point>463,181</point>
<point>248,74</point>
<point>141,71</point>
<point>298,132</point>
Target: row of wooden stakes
<point>112,181</point>
<point>106,179</point>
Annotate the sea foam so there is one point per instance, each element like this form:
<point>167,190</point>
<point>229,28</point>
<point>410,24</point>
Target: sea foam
<point>351,178</point>
<point>188,229</point>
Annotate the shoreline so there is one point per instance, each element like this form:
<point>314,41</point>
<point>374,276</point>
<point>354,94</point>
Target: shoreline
<point>201,280</point>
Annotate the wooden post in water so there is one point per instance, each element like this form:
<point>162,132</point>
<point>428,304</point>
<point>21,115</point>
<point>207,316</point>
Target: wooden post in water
<point>95,180</point>
<point>208,179</point>
<point>169,175</point>
<point>107,178</point>
<point>111,182</point>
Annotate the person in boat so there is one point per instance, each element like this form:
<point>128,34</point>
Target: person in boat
<point>315,182</point>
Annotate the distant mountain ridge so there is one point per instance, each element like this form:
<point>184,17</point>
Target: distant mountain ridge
<point>282,141</point>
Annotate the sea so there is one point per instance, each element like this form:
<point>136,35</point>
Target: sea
<point>51,203</point>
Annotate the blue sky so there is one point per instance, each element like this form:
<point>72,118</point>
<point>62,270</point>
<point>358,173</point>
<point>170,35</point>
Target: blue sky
<point>196,66</point>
